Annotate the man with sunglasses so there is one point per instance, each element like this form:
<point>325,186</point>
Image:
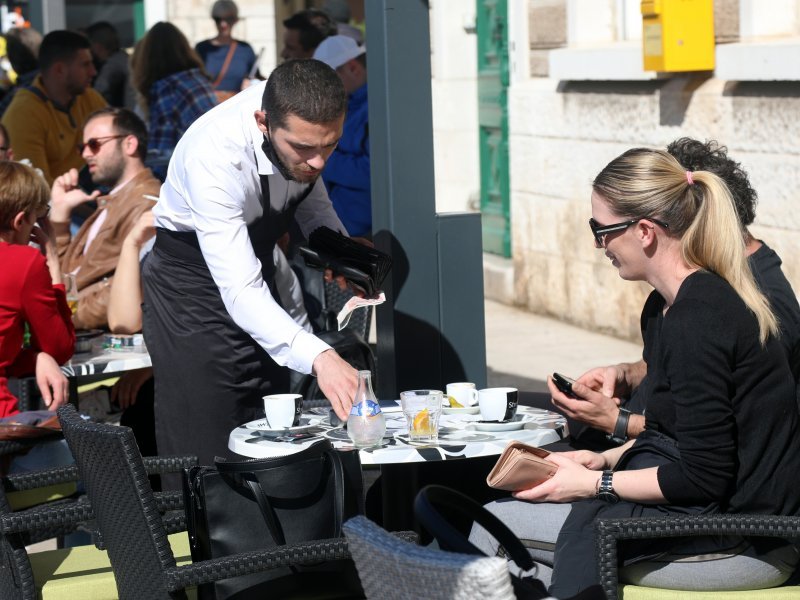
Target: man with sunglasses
<point>614,398</point>
<point>45,118</point>
<point>114,147</point>
<point>241,175</point>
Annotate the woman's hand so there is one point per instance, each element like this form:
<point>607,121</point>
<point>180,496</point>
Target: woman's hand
<point>142,231</point>
<point>52,382</point>
<point>573,481</point>
<point>591,460</point>
<point>127,388</point>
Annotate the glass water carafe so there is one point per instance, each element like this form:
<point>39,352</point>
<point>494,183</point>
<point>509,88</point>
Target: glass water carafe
<point>366,423</point>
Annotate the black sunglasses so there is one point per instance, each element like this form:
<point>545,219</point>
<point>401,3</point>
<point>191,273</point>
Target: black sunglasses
<point>601,231</point>
<point>228,20</point>
<point>94,144</point>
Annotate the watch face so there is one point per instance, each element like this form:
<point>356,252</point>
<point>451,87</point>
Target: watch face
<point>609,497</point>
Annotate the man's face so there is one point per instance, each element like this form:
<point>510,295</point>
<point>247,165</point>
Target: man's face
<point>292,48</point>
<point>79,72</point>
<point>304,147</point>
<point>107,165</point>
<point>4,148</point>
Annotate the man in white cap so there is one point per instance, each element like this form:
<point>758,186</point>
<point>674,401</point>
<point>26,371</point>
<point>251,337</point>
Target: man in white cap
<point>346,175</point>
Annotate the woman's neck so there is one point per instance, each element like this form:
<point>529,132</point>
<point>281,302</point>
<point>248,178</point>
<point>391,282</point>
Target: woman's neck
<point>222,40</point>
<point>668,275</point>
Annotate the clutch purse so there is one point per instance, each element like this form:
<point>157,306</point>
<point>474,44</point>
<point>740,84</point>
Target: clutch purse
<point>520,467</point>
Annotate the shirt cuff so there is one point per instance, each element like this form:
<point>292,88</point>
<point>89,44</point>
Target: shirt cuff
<point>305,348</point>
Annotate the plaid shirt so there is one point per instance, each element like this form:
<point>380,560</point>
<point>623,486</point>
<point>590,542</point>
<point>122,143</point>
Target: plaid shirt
<point>175,102</point>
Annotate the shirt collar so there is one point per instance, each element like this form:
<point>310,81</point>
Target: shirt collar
<point>265,167</point>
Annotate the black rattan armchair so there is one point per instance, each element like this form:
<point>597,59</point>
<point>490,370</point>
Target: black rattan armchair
<point>611,531</point>
<point>126,515</point>
<point>53,519</point>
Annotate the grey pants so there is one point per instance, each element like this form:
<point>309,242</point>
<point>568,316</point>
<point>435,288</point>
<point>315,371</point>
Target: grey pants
<point>687,567</point>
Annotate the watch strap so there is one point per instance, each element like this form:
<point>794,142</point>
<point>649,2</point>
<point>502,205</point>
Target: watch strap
<point>620,433</point>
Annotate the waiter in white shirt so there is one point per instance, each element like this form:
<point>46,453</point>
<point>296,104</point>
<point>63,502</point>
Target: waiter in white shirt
<point>237,179</point>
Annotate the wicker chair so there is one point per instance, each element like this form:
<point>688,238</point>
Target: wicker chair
<point>23,576</point>
<point>392,569</point>
<point>126,514</point>
<point>610,531</point>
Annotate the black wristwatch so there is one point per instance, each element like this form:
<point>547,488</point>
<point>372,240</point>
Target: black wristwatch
<point>620,433</point>
<point>605,491</point>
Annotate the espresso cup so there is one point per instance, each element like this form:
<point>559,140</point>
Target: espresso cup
<point>498,404</point>
<point>283,410</point>
<point>463,392</point>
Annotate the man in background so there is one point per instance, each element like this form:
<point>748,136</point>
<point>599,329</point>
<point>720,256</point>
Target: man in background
<point>6,153</point>
<point>22,49</point>
<point>45,119</point>
<point>346,175</point>
<point>304,31</point>
<point>113,79</point>
<point>115,145</point>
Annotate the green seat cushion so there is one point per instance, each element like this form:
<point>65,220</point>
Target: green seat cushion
<point>634,592</point>
<point>28,498</point>
<point>85,572</point>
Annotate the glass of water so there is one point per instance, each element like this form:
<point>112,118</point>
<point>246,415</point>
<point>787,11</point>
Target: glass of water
<point>422,409</point>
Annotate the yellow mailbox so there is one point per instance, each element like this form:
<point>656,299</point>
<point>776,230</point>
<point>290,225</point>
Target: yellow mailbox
<point>678,35</point>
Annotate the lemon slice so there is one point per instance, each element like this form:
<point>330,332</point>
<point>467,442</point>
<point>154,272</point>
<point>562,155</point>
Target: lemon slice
<point>422,422</point>
<point>454,403</point>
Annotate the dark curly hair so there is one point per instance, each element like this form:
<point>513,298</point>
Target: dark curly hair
<point>695,155</point>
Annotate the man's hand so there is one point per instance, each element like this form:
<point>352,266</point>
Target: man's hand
<point>66,195</point>
<point>592,407</point>
<point>571,482</point>
<point>337,380</point>
<point>52,382</point>
<point>127,388</point>
<point>609,381</point>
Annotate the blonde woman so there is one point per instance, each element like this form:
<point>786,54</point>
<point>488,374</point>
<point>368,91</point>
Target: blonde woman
<point>721,424</point>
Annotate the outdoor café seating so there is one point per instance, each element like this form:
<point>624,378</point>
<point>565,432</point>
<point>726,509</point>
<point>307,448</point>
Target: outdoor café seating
<point>144,564</point>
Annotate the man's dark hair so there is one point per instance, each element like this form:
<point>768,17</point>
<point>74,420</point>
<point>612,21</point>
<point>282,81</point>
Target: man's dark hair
<point>695,155</point>
<point>22,47</point>
<point>60,45</point>
<point>125,122</point>
<point>306,88</point>
<point>314,26</point>
<point>104,34</point>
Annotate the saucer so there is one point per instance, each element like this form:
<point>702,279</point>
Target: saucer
<point>516,423</point>
<point>305,424</point>
<point>464,410</point>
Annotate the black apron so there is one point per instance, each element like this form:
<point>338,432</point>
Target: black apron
<point>210,375</point>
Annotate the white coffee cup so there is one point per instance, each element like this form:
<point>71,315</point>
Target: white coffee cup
<point>283,410</point>
<point>463,392</point>
<point>498,404</point>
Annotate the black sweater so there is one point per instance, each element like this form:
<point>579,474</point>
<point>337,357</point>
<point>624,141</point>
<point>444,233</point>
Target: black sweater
<point>728,401</point>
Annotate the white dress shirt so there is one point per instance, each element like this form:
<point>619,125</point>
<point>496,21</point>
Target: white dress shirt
<point>213,188</point>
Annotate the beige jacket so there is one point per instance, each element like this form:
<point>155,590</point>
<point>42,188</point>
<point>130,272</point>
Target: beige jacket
<point>96,267</point>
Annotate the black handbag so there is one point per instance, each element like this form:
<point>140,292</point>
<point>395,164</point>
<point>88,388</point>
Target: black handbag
<point>255,504</point>
<point>428,505</point>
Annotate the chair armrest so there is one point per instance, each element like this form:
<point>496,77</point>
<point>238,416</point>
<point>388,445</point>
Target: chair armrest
<point>159,465</point>
<point>216,569</point>
<point>59,517</point>
<point>609,531</point>
<point>42,478</point>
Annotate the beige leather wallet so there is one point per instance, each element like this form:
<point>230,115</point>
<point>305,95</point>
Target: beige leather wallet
<point>520,467</point>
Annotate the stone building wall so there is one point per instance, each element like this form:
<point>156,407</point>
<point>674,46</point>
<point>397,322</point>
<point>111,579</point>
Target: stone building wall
<point>563,131</point>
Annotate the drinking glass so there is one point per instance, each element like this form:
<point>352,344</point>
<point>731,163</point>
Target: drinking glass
<point>422,409</point>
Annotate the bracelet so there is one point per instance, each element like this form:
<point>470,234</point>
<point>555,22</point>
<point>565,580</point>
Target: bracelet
<point>620,434</point>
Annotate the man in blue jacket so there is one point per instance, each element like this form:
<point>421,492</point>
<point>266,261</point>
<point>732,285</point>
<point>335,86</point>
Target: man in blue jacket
<point>346,175</point>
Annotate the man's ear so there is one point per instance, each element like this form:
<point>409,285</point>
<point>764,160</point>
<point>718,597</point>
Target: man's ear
<point>131,145</point>
<point>261,119</point>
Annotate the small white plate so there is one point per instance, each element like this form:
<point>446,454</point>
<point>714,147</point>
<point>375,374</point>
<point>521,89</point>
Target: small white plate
<point>464,410</point>
<point>516,423</point>
<point>305,423</point>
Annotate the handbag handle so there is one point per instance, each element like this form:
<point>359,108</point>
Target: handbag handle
<point>450,538</point>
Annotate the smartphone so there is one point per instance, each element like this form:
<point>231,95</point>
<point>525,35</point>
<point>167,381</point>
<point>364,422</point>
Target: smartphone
<point>564,384</point>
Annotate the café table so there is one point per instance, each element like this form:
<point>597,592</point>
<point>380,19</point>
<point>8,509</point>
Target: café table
<point>465,445</point>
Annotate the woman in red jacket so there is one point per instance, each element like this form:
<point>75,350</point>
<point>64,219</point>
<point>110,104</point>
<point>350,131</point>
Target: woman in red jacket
<point>31,291</point>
